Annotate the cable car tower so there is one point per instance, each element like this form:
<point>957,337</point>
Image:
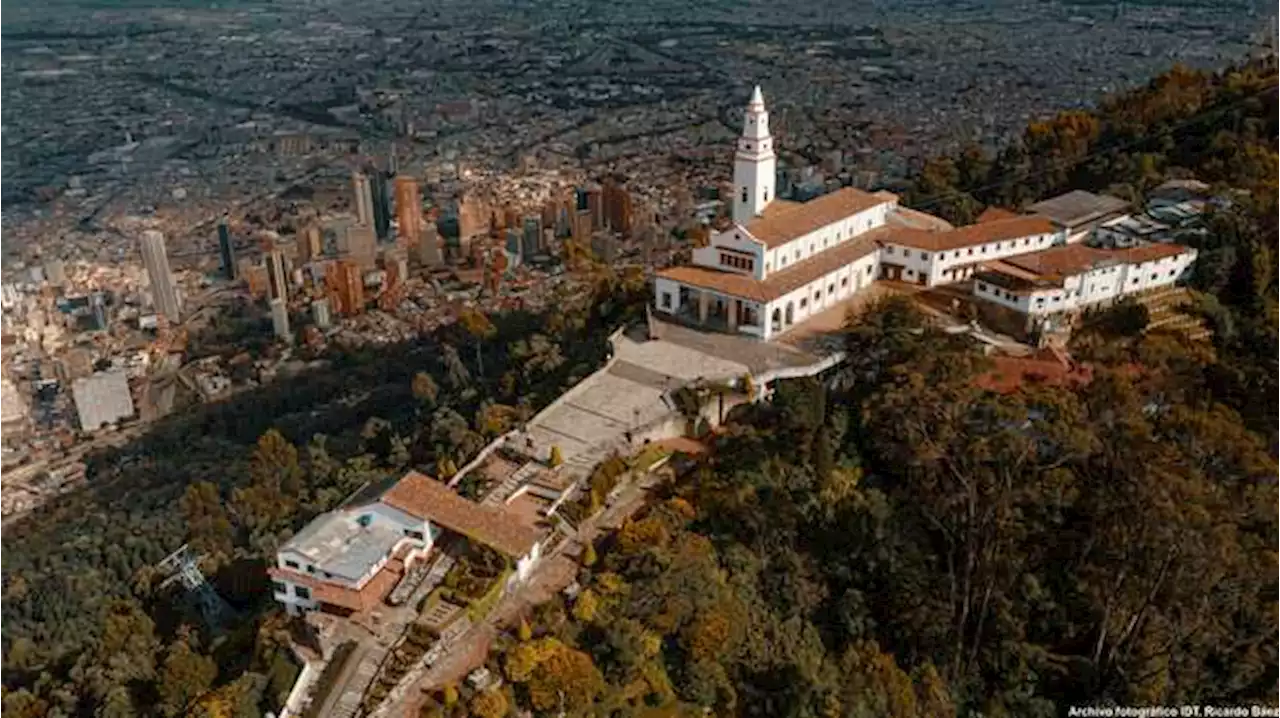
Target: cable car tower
<point>184,566</point>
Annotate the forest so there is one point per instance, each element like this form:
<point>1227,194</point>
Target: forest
<point>88,628</point>
<point>918,546</point>
<point>908,546</point>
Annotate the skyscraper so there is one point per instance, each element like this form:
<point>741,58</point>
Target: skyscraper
<point>320,313</point>
<point>428,253</point>
<point>226,251</point>
<point>408,211</point>
<point>363,200</point>
<point>164,293</point>
<point>310,243</point>
<point>277,280</point>
<point>381,206</point>
<point>280,319</point>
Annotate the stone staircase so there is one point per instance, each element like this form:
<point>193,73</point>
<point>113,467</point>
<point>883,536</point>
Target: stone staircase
<point>498,495</point>
<point>349,704</point>
<point>1163,308</point>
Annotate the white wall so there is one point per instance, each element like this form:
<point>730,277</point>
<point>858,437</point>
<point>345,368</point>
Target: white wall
<point>1092,287</point>
<point>381,514</point>
<point>666,286</point>
<point>737,239</point>
<point>822,293</point>
<point>941,267</point>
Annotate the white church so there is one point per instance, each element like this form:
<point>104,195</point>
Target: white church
<point>781,262</point>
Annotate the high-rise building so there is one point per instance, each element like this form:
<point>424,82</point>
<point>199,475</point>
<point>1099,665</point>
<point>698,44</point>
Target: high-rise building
<point>277,279</point>
<point>280,319</point>
<point>532,239</point>
<point>345,281</point>
<point>617,208</point>
<point>595,205</point>
<point>310,243</point>
<point>360,245</point>
<point>163,292</point>
<point>363,200</point>
<point>381,205</point>
<point>408,211</point>
<point>321,313</point>
<point>98,308</point>
<point>226,251</point>
<point>428,253</point>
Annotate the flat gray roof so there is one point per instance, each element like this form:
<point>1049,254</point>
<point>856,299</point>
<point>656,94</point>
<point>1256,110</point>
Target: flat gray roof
<point>1078,207</point>
<point>336,543</point>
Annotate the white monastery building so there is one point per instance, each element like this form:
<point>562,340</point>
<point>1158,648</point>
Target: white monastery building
<point>780,262</point>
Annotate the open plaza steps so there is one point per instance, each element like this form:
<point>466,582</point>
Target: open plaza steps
<point>1165,313</point>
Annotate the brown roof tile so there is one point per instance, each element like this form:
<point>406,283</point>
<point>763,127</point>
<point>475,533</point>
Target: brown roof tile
<point>1066,260</point>
<point>795,220</point>
<point>972,235</point>
<point>426,498</point>
<point>991,214</point>
<point>781,282</point>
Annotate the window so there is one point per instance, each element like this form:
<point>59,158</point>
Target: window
<point>982,287</point>
<point>292,564</point>
<point>844,282</point>
<point>942,256</point>
<point>666,300</point>
<point>766,194</point>
<point>797,255</point>
<point>825,241</point>
<point>811,248</point>
<point>1153,276</point>
<point>767,266</point>
<point>831,288</point>
<point>1170,272</point>
<point>1039,300</point>
<point>311,569</point>
<point>997,246</point>
<point>971,251</point>
<point>889,249</point>
<point>906,253</point>
<point>414,534</point>
<point>302,592</point>
<point>868,269</point>
<point>924,255</point>
<point>984,249</point>
<point>280,587</point>
<point>744,194</point>
<point>817,295</point>
<point>804,302</point>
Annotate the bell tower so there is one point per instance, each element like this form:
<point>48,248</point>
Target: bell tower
<point>754,164</point>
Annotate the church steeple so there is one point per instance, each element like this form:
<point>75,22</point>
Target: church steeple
<point>755,165</point>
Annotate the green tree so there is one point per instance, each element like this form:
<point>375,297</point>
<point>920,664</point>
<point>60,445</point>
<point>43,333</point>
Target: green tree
<point>185,676</point>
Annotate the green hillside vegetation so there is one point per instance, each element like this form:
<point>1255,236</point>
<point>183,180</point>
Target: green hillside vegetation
<point>87,630</point>
<point>919,547</point>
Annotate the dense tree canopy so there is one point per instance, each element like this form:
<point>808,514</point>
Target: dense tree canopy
<point>87,628</point>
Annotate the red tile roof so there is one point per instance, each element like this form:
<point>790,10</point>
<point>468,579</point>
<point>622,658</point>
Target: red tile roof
<point>426,498</point>
<point>993,213</point>
<point>972,235</point>
<point>778,283</point>
<point>1070,259</point>
<point>776,227</point>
